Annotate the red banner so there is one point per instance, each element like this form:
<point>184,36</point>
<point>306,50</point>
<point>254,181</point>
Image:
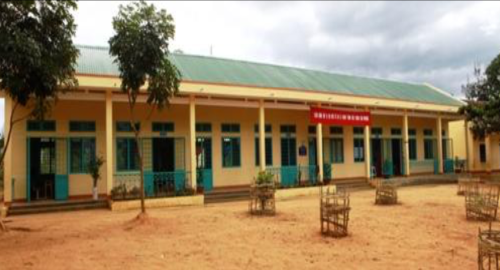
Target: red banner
<point>338,117</point>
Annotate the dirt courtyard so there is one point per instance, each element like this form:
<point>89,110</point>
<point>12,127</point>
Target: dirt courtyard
<point>427,230</point>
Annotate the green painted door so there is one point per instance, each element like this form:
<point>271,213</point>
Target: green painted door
<point>313,161</point>
<point>204,176</point>
<point>289,169</point>
<point>62,165</point>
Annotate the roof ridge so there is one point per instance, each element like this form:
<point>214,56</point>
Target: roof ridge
<point>100,47</point>
<point>297,68</point>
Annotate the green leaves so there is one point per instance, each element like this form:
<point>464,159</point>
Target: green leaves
<point>483,100</point>
<point>37,55</point>
<point>140,46</point>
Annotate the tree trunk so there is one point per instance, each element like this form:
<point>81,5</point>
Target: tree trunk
<point>141,168</point>
<point>131,103</point>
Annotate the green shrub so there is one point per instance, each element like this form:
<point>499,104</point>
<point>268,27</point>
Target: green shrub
<point>264,177</point>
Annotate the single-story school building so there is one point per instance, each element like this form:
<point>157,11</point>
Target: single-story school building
<point>483,153</point>
<point>230,120</point>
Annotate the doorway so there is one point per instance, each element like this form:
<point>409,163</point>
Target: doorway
<point>163,164</point>
<point>163,155</point>
<point>376,145</point>
<point>396,148</point>
<point>42,168</point>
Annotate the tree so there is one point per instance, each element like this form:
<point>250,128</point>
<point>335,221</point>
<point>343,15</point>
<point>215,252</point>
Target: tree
<point>37,56</point>
<point>483,100</point>
<point>140,46</point>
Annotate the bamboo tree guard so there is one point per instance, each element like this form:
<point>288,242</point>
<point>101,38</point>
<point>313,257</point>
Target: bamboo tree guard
<point>481,201</point>
<point>386,193</point>
<point>464,182</point>
<point>488,249</point>
<point>334,212</point>
<point>262,200</point>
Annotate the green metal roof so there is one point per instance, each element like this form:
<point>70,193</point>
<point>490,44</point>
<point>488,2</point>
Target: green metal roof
<point>96,60</point>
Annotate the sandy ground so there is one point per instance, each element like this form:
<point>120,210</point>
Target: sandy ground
<point>427,230</point>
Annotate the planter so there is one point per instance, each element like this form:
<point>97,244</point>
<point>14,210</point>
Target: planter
<point>95,194</point>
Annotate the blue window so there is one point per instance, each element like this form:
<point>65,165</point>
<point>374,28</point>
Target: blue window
<point>127,155</point>
<point>358,130</point>
<point>269,151</point>
<point>82,126</point>
<point>230,128</point>
<point>336,130</point>
<point>268,145</point>
<point>359,150</point>
<point>412,145</point>
<point>428,148</point>
<point>396,131</point>
<point>162,127</point>
<point>45,125</point>
<point>203,127</point>
<point>126,126</point>
<point>377,131</point>
<point>82,152</point>
<point>231,152</point>
<point>337,150</point>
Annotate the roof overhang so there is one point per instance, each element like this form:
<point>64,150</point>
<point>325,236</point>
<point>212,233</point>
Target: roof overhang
<point>112,83</point>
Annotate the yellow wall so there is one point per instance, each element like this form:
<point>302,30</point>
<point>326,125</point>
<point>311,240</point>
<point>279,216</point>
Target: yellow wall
<point>81,184</point>
<point>457,132</point>
<point>63,112</point>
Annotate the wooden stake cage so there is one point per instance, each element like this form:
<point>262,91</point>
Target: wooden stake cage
<point>488,249</point>
<point>481,201</point>
<point>334,211</point>
<point>262,200</point>
<point>386,193</point>
<point>464,182</point>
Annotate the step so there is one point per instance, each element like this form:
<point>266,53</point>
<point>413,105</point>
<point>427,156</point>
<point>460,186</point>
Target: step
<point>225,200</point>
<point>227,195</point>
<point>36,208</point>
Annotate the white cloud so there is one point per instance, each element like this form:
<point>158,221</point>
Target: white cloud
<point>434,42</point>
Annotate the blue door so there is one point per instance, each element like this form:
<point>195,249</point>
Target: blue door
<point>289,169</point>
<point>62,164</point>
<point>313,161</point>
<point>204,176</point>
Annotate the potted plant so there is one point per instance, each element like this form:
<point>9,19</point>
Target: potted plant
<point>94,169</point>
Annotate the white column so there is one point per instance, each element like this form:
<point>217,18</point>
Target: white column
<point>319,151</point>
<point>406,144</point>
<point>439,127</point>
<point>487,144</point>
<point>109,142</point>
<point>368,157</point>
<point>7,163</point>
<point>192,140</point>
<point>262,136</point>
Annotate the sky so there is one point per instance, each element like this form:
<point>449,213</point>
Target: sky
<point>433,42</point>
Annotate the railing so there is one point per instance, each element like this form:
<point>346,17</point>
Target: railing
<point>156,185</point>
<point>204,179</point>
<point>421,166</point>
<point>295,176</point>
<point>432,165</point>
